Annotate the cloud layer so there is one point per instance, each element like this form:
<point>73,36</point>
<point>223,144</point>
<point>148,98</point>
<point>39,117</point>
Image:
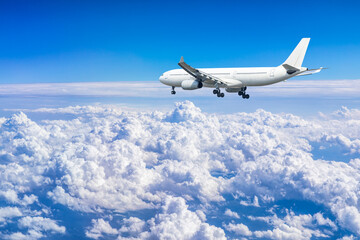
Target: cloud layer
<point>180,174</point>
<point>151,89</point>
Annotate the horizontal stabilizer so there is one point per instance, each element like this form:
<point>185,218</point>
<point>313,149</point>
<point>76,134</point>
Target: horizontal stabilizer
<point>311,71</point>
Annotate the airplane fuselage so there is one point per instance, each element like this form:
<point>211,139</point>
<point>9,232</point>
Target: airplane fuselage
<point>241,77</point>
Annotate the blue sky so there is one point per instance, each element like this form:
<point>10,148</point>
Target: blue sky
<point>57,41</point>
<point>92,146</point>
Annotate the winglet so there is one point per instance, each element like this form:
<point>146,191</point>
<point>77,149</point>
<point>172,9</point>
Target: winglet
<point>181,59</point>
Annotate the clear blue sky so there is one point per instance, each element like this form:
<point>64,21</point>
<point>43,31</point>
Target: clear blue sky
<point>69,41</point>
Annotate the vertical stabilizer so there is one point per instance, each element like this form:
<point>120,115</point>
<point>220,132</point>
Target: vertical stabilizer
<point>297,56</point>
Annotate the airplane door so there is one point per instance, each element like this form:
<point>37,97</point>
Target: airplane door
<point>233,74</point>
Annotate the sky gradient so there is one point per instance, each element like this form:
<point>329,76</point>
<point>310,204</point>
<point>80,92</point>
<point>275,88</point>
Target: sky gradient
<point>57,41</point>
<point>93,146</point>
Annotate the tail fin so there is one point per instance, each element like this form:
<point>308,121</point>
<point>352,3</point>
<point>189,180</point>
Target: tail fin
<point>297,56</point>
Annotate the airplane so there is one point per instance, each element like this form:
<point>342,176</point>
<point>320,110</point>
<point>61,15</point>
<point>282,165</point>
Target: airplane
<point>236,80</point>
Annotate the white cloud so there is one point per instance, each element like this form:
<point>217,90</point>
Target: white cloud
<point>321,221</point>
<point>351,146</point>
<point>41,224</point>
<point>177,222</point>
<point>351,237</point>
<point>132,226</point>
<point>304,226</point>
<point>254,203</point>
<point>32,235</point>
<point>9,212</point>
<point>99,227</point>
<point>344,113</point>
<point>238,229</point>
<point>29,199</point>
<point>180,164</point>
<point>349,217</point>
<point>37,227</point>
<point>10,195</point>
<point>232,214</point>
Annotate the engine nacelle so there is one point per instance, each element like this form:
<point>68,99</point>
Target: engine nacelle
<point>191,84</point>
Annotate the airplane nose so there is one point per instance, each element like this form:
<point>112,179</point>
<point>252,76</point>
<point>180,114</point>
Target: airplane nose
<point>162,79</point>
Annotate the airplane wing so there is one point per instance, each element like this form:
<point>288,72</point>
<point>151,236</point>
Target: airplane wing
<point>310,71</point>
<point>206,77</point>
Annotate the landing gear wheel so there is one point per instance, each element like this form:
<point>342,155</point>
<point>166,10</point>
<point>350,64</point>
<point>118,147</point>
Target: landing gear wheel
<point>219,94</point>
<point>215,91</point>
<point>173,92</point>
<point>242,93</point>
<point>222,94</point>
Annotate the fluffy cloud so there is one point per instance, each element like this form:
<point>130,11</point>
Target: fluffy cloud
<point>41,224</point>
<point>232,214</point>
<point>175,221</point>
<point>133,226</point>
<point>254,203</point>
<point>37,227</point>
<point>99,227</point>
<point>184,168</point>
<point>9,212</point>
<point>293,226</point>
<point>239,229</point>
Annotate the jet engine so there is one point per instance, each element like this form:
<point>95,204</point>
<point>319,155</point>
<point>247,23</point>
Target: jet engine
<point>191,84</point>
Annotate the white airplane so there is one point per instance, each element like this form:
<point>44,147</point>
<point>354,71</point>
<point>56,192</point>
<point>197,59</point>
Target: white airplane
<point>237,79</point>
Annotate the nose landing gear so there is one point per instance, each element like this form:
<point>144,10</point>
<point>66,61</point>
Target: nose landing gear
<point>242,93</point>
<point>173,90</point>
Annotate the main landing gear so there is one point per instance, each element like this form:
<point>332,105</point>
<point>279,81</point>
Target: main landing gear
<point>173,90</point>
<point>242,93</point>
<point>218,93</point>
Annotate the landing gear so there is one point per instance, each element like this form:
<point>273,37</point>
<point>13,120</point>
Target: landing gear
<point>242,93</point>
<point>218,93</point>
<point>173,90</point>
